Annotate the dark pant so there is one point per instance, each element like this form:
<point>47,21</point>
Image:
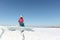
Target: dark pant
<point>21,24</point>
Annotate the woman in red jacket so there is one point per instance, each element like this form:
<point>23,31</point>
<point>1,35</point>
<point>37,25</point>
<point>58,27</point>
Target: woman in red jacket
<point>21,20</point>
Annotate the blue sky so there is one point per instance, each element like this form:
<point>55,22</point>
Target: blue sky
<point>35,12</point>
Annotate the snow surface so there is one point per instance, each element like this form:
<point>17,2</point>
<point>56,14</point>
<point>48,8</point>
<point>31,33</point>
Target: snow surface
<point>38,34</point>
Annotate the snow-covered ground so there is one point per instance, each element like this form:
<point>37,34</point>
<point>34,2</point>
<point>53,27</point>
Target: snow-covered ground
<point>38,34</point>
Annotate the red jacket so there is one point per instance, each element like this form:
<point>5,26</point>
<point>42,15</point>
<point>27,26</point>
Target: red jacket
<point>21,20</point>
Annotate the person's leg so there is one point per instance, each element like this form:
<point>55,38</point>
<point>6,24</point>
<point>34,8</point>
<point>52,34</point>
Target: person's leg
<point>22,24</point>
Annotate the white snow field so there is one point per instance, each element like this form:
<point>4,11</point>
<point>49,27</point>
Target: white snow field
<point>38,34</point>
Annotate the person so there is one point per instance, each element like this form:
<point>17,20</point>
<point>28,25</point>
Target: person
<point>21,21</point>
